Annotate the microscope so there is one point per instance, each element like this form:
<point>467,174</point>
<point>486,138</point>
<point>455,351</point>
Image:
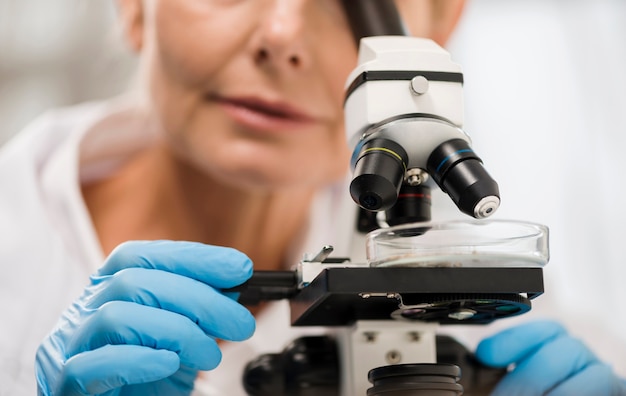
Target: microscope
<point>404,118</point>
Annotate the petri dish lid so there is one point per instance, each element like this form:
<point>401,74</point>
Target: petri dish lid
<point>462,243</point>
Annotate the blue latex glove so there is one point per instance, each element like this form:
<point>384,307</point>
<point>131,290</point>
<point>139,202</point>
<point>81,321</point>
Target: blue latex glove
<point>547,361</point>
<point>147,322</point>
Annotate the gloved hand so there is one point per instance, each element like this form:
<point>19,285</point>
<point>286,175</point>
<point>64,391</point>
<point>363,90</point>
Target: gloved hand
<point>547,361</point>
<point>147,322</point>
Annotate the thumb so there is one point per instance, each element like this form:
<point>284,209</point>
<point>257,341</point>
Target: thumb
<point>114,366</point>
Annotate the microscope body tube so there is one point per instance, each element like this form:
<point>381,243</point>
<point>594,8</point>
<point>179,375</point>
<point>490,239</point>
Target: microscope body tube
<point>407,90</point>
<point>379,87</point>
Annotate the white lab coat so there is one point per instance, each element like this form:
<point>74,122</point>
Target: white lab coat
<point>48,246</point>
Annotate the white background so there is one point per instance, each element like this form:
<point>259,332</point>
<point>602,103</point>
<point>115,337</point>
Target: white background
<point>57,52</point>
<point>545,90</point>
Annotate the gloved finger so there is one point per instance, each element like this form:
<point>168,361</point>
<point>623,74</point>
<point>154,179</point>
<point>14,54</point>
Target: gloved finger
<point>217,266</point>
<point>514,344</point>
<point>555,362</point>
<point>120,322</point>
<point>112,366</point>
<point>596,379</point>
<point>216,314</point>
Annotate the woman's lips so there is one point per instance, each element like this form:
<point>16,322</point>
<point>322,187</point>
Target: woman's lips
<point>264,115</point>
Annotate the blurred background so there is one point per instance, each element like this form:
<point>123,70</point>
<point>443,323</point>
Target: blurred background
<point>545,99</point>
<point>55,53</point>
<point>545,88</point>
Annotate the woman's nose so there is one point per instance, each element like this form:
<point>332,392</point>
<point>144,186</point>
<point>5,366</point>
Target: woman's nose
<point>280,41</point>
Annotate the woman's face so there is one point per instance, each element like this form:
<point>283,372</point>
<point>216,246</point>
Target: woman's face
<point>251,91</point>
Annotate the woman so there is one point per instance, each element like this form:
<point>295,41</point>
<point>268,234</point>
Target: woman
<point>235,142</point>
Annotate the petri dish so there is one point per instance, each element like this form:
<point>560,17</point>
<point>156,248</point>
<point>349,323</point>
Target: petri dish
<point>462,243</point>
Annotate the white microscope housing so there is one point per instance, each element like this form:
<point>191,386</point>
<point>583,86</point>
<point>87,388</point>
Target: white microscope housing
<point>407,92</point>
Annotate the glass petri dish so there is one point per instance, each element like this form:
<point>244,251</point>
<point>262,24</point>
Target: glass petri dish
<point>462,243</point>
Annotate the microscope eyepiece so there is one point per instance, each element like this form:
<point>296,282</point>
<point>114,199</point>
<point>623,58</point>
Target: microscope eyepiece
<point>378,172</point>
<point>459,172</point>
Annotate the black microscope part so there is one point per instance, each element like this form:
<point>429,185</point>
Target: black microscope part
<point>373,18</point>
<point>427,379</point>
<point>309,366</point>
<point>459,172</point>
<point>413,205</point>
<point>378,174</point>
<point>334,297</point>
<point>267,286</point>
